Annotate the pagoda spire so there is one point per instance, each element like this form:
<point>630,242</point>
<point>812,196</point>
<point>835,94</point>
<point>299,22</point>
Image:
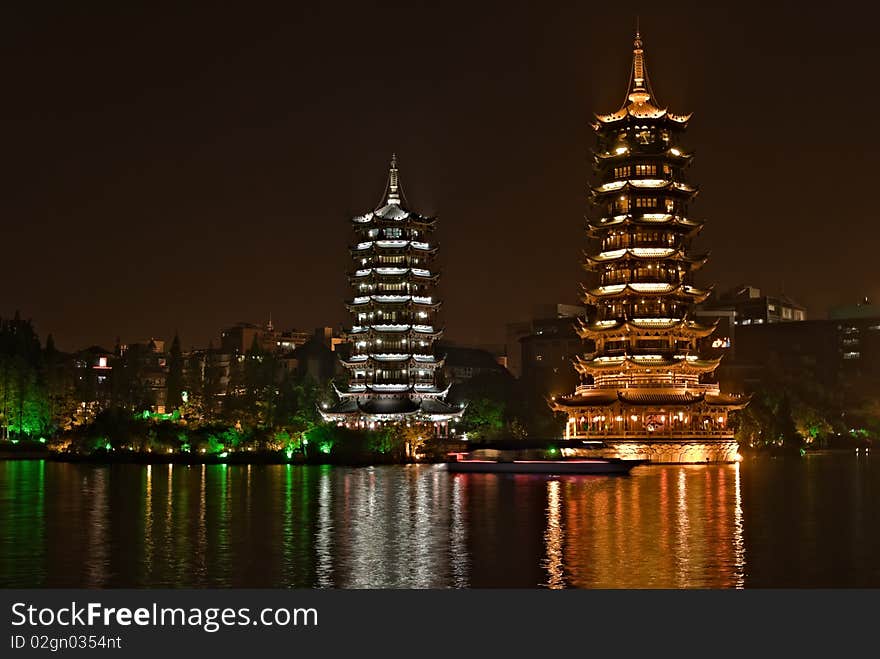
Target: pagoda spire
<point>393,182</point>
<point>639,92</point>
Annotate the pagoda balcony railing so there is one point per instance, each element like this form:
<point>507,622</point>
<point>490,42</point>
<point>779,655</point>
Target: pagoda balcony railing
<point>680,387</point>
<point>718,433</point>
<point>631,278</point>
<point>621,242</point>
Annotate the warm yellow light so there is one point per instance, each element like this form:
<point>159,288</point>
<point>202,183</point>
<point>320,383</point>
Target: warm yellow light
<point>674,151</point>
<point>620,149</point>
<point>634,417</point>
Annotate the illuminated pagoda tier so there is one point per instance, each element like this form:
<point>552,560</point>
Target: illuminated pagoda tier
<point>393,371</point>
<point>646,390</point>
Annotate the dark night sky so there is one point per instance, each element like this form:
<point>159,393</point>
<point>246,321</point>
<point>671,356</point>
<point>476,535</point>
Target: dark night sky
<point>191,168</point>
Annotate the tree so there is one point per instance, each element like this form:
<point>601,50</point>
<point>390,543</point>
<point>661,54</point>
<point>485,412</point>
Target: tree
<point>784,429</point>
<point>174,381</point>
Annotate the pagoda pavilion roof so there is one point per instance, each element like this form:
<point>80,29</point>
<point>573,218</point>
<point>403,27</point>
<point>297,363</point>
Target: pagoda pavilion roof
<point>623,153</point>
<point>383,246</point>
<point>677,363</point>
<point>393,212</point>
<point>683,291</point>
<point>426,390</point>
<point>390,408</point>
<point>640,110</point>
<point>645,326</point>
<point>414,300</point>
<point>642,184</point>
<point>650,398</point>
<point>640,103</point>
<point>390,271</point>
<point>644,254</point>
<point>392,209</point>
<point>379,358</point>
<point>645,219</point>
<point>424,330</point>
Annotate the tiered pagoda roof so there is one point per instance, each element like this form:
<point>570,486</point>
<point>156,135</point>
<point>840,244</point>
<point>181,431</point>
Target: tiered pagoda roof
<point>647,344</point>
<point>393,371</point>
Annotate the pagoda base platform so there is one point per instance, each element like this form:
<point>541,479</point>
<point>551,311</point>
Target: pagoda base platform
<point>672,450</point>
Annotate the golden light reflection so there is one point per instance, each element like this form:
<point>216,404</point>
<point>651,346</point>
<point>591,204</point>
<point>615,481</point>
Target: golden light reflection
<point>148,522</point>
<point>662,527</point>
<point>553,538</point>
<point>739,544</point>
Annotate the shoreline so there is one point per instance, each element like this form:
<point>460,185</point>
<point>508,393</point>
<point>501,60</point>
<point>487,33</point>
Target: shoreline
<point>274,457</point>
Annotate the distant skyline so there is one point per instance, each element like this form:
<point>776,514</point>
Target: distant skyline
<point>193,168</point>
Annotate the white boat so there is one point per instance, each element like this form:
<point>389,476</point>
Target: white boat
<point>462,465</point>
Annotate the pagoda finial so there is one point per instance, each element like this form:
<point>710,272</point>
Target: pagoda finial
<point>393,182</point>
<point>639,86</point>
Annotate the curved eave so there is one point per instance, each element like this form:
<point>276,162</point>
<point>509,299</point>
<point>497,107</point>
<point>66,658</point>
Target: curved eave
<point>633,398</point>
<point>378,250</point>
<point>676,366</point>
<point>630,186</point>
<point>663,219</point>
<point>683,328</point>
<point>403,331</point>
<point>729,401</point>
<point>393,214</point>
<point>684,293</point>
<point>379,304</point>
<point>405,360</point>
<point>565,403</point>
<point>640,112</point>
<point>612,157</point>
<point>630,254</point>
<point>390,409</point>
<point>374,276</point>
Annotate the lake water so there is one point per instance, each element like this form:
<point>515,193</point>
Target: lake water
<point>763,523</point>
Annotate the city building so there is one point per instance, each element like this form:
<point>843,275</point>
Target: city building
<point>541,315</point>
<point>93,381</point>
<point>393,370</point>
<point>750,307</point>
<point>462,364</point>
<point>548,353</point>
<point>142,371</point>
<point>645,390</point>
<point>841,353</point>
<point>240,338</point>
<point>313,359</point>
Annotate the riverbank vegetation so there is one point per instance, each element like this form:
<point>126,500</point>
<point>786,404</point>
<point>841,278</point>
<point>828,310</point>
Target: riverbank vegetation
<point>254,407</point>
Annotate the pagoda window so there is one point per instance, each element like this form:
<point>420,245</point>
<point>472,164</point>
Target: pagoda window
<point>393,232</point>
<point>621,204</point>
<point>646,202</point>
<point>621,172</point>
<point>646,170</point>
<point>644,136</point>
<point>670,205</point>
<point>667,170</point>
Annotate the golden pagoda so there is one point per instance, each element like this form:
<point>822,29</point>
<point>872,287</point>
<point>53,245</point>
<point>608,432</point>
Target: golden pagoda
<point>646,392</point>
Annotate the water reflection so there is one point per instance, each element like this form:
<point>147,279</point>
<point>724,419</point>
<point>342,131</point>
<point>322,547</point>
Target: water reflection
<point>812,522</point>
